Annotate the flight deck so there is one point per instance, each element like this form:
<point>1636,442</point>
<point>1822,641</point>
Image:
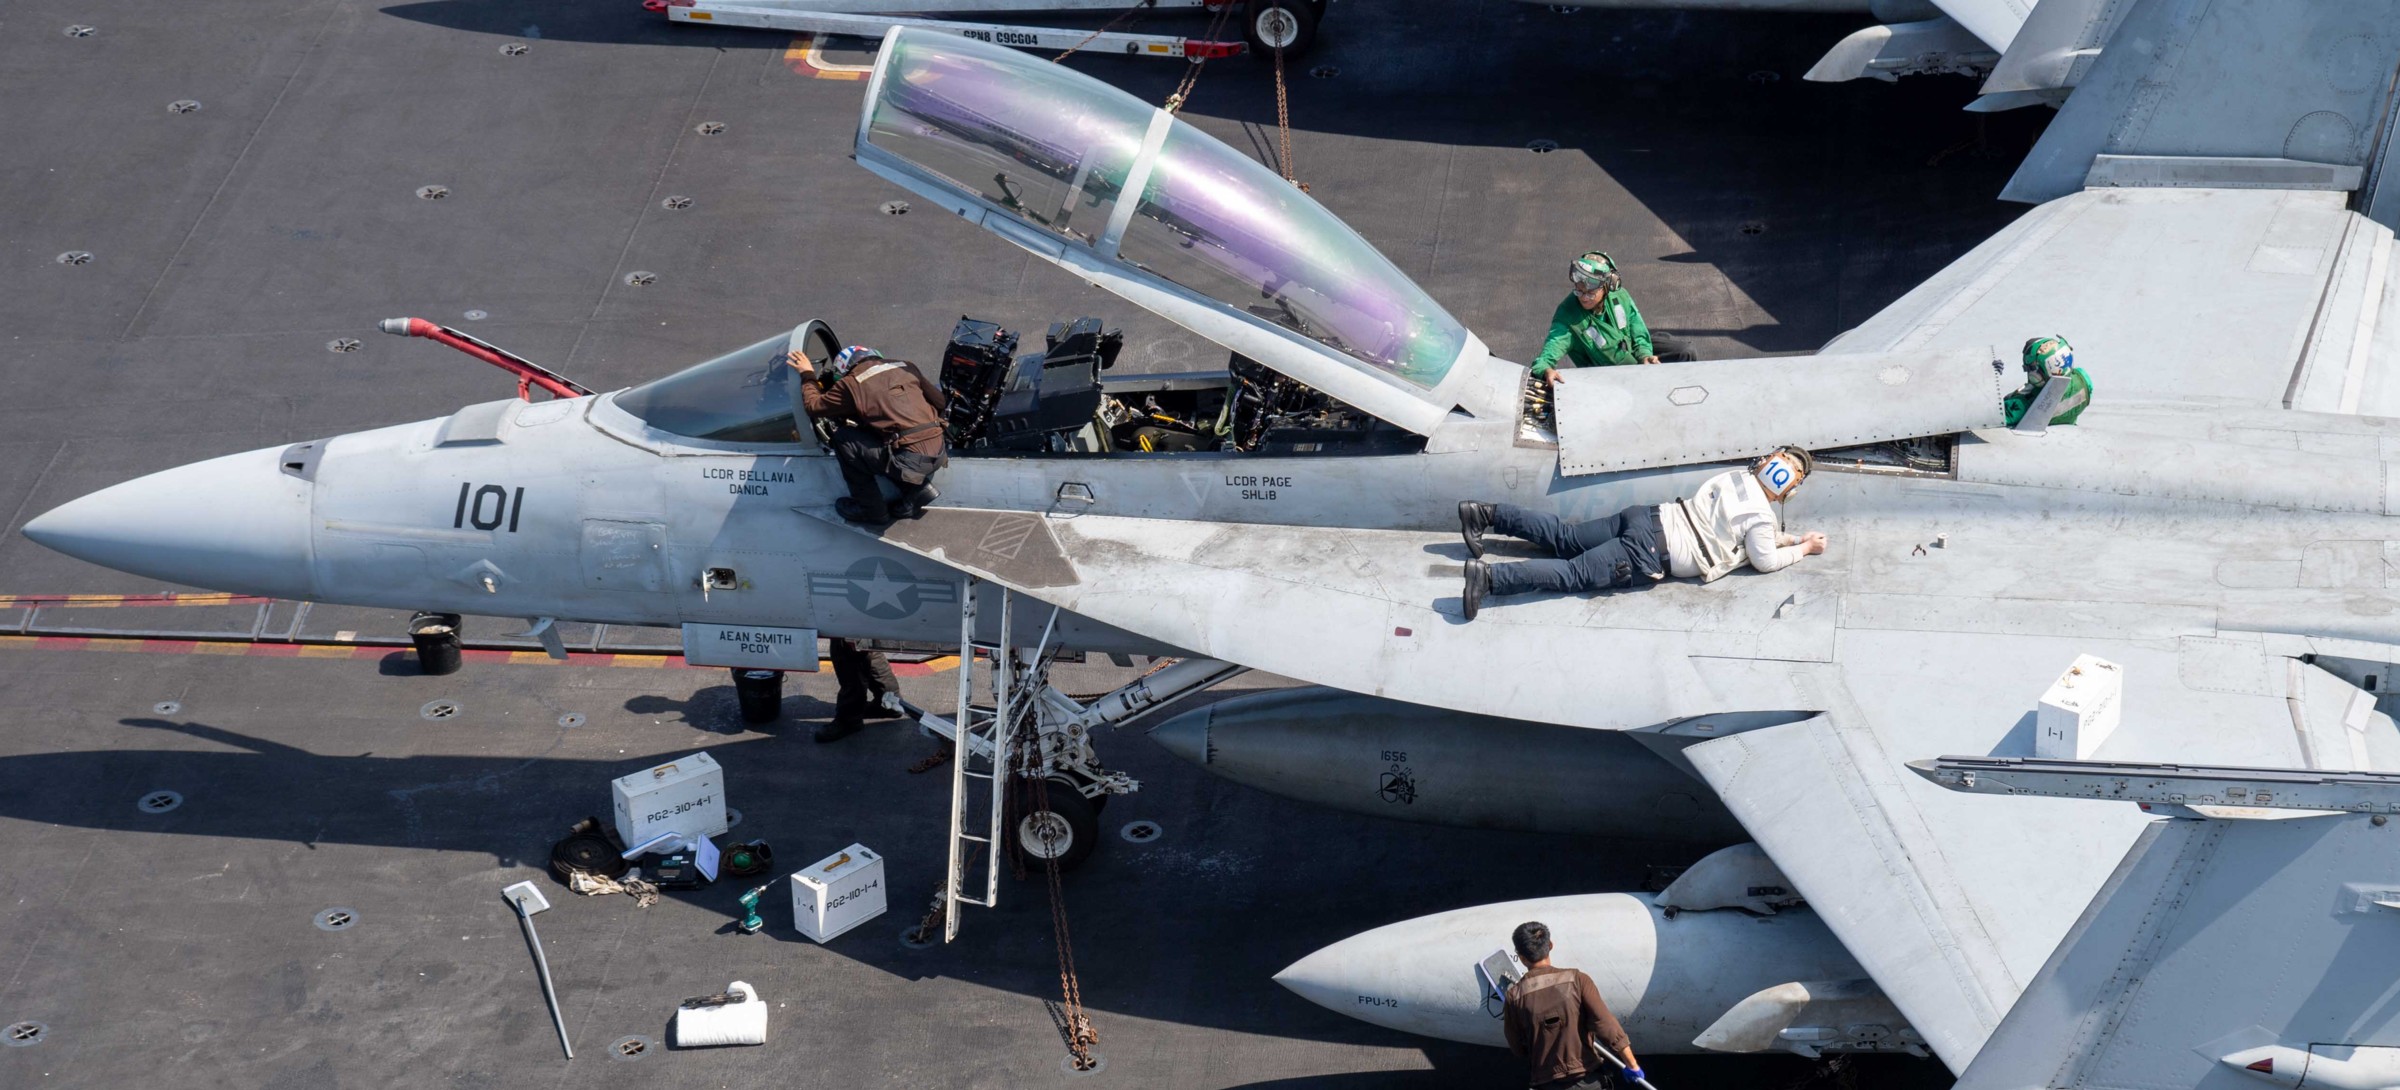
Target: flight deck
<point>259,849</point>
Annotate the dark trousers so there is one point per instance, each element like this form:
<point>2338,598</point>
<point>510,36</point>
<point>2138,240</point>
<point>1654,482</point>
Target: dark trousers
<point>1620,550</point>
<point>866,461</point>
<point>1670,348</point>
<point>1589,1081</point>
<point>860,679</point>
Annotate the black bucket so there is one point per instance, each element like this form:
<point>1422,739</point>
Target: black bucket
<point>761,694</point>
<point>436,637</point>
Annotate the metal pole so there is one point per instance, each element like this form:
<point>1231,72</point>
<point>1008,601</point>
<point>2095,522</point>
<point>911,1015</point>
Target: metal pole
<point>549,993</point>
<point>1619,1064</point>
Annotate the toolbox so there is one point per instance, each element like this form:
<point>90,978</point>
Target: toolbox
<point>838,892</point>
<point>685,796</point>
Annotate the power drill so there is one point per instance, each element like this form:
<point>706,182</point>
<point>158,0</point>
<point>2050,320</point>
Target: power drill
<point>751,922</point>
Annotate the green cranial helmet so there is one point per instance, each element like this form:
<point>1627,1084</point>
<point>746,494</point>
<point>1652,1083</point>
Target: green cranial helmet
<point>2049,357</point>
<point>1594,270</point>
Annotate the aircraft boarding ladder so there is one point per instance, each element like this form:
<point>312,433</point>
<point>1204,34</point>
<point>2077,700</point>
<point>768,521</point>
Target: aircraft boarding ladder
<point>1027,729</point>
<point>983,740</point>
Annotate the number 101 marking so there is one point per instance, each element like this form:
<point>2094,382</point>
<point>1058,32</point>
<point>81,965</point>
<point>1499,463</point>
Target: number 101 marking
<point>502,506</point>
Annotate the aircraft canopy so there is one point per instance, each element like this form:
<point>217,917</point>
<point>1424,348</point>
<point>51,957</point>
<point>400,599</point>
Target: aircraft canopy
<point>1047,157</point>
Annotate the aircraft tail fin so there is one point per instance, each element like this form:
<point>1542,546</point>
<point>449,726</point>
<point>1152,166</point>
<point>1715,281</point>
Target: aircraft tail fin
<point>2243,94</point>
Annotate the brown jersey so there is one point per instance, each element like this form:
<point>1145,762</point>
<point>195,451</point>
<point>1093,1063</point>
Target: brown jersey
<point>1548,1017</point>
<point>888,397</point>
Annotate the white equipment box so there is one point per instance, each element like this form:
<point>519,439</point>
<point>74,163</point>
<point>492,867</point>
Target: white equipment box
<point>838,892</point>
<point>2079,711</point>
<point>685,796</point>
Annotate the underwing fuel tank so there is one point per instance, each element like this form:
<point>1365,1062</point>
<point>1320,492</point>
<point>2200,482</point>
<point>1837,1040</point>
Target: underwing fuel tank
<point>1669,979</point>
<point>1386,758</point>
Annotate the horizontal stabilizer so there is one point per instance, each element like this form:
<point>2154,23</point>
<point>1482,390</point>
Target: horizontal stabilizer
<point>1620,418</point>
<point>2218,949</point>
<point>2255,79</point>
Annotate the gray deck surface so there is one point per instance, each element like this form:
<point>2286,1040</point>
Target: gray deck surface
<point>1752,211</point>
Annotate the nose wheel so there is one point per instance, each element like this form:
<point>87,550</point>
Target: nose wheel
<point>1064,826</point>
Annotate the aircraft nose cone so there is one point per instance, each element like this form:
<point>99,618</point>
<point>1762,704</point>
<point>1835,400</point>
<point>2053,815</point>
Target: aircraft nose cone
<point>1186,735</point>
<point>236,523</point>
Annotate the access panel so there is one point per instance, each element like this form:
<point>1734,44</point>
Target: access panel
<point>1637,417</point>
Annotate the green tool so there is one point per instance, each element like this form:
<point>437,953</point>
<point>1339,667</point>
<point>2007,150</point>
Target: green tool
<point>751,922</point>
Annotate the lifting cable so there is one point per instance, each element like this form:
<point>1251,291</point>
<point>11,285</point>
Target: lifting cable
<point>1283,121</point>
<point>1221,14</point>
<point>1110,25</point>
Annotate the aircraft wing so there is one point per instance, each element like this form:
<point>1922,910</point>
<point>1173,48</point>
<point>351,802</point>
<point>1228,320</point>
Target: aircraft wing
<point>1954,902</point>
<point>2299,912</point>
<point>1233,591</point>
<point>2260,297</point>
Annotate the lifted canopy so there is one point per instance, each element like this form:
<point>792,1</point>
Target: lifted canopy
<point>1046,158</point>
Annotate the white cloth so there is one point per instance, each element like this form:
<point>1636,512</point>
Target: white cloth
<point>1730,520</point>
<point>743,1023</point>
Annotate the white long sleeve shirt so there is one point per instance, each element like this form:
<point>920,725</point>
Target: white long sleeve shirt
<point>1749,523</point>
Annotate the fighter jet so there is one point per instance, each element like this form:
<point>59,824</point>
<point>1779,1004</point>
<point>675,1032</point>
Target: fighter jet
<point>2215,528</point>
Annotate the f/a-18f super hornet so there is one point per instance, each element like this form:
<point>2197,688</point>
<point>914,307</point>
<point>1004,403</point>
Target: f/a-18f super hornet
<point>2217,530</point>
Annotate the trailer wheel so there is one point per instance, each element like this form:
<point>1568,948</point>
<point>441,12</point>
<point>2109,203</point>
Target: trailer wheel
<point>1290,24</point>
<point>1066,829</point>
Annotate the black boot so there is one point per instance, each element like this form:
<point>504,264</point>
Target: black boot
<point>1473,519</point>
<point>860,513</point>
<point>1479,583</point>
<point>914,503</point>
<point>837,728</point>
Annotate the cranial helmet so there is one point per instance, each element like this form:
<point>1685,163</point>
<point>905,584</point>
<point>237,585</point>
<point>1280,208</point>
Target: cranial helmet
<point>849,357</point>
<point>2049,357</point>
<point>1595,270</point>
<point>1775,478</point>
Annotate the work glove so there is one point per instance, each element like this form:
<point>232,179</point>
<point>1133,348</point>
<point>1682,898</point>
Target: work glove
<point>1634,1074</point>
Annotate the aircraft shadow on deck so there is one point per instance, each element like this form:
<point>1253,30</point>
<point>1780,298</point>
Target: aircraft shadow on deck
<point>1820,203</point>
<point>1241,885</point>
